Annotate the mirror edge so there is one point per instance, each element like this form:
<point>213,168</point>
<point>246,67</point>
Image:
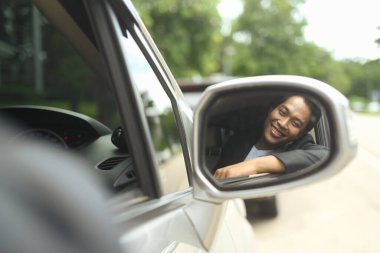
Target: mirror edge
<point>344,143</point>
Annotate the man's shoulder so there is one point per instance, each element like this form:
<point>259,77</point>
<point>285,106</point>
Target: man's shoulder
<point>304,140</point>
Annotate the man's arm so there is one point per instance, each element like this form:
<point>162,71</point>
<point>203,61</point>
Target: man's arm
<point>299,159</point>
<point>264,164</point>
<point>302,154</point>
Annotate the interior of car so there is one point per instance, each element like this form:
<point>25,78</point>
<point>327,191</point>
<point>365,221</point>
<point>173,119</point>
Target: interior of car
<point>58,98</point>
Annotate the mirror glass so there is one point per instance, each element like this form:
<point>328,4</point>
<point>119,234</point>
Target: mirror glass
<point>259,137</point>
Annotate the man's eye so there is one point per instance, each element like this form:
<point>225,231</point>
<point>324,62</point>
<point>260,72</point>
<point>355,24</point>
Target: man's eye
<point>296,124</point>
<point>282,112</point>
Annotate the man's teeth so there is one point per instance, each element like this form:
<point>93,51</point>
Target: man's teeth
<point>274,130</point>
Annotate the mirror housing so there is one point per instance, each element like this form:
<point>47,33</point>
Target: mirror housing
<point>237,94</point>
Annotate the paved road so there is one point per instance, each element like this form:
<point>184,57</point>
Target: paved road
<point>340,214</point>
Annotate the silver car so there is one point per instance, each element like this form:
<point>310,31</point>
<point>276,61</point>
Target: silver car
<point>101,153</point>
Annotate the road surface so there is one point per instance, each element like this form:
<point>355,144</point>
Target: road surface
<point>340,214</point>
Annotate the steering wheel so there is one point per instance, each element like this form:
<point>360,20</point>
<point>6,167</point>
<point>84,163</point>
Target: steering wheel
<point>50,202</point>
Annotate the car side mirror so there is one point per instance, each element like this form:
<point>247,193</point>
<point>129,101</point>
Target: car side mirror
<point>235,115</point>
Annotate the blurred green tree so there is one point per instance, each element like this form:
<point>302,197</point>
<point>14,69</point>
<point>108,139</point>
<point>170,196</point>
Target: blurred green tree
<point>187,33</point>
<point>268,39</point>
<point>372,70</point>
<point>267,36</point>
<point>358,78</point>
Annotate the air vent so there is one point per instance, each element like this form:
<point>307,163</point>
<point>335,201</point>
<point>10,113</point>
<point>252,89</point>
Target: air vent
<point>110,163</point>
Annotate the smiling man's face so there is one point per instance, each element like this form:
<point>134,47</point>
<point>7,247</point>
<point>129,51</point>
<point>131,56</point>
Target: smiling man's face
<point>286,122</point>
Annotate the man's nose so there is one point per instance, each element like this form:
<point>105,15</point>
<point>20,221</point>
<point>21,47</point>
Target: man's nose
<point>283,122</point>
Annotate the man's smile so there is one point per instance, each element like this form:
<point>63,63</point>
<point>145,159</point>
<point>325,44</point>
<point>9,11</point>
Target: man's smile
<point>276,132</point>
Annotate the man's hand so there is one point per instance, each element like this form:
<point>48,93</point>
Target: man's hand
<point>235,170</point>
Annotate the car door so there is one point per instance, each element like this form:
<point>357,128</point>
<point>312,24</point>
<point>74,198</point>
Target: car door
<point>158,127</point>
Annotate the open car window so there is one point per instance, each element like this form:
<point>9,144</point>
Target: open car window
<point>161,119</point>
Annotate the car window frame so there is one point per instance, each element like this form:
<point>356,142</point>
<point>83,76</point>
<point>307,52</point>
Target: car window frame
<point>126,12</point>
<point>109,36</point>
<point>128,15</point>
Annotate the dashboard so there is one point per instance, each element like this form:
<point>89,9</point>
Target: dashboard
<point>76,133</point>
<point>56,126</point>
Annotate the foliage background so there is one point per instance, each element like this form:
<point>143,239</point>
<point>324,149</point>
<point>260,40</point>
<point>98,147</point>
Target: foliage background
<point>267,38</point>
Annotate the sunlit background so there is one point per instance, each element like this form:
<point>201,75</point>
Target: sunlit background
<point>348,29</point>
<point>334,41</point>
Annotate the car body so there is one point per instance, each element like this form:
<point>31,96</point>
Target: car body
<point>126,120</point>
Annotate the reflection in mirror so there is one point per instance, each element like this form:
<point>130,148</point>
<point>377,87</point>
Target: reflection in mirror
<point>263,136</point>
